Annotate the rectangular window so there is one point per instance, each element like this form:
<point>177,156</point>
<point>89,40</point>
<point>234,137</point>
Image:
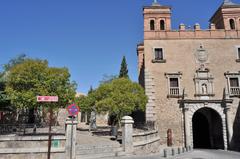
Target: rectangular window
<point>174,86</point>
<point>238,53</point>
<point>174,82</point>
<point>234,82</point>
<point>234,86</point>
<point>158,52</point>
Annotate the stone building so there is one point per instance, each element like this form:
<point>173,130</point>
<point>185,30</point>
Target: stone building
<point>192,77</point>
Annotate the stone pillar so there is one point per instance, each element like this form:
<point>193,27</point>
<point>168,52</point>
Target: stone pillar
<point>229,124</point>
<point>71,133</point>
<point>127,134</point>
<point>187,128</point>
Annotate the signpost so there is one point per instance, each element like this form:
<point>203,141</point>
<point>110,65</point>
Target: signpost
<point>48,99</point>
<point>72,111</point>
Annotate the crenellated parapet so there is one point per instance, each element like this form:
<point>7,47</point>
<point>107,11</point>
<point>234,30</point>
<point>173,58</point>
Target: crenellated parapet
<point>225,23</point>
<point>195,33</point>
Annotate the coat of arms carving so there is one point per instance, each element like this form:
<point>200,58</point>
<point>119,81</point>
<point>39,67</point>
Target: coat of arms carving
<point>201,55</point>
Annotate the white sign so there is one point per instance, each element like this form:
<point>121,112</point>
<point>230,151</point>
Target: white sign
<point>47,98</point>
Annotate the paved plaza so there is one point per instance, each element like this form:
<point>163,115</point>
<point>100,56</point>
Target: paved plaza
<point>196,154</point>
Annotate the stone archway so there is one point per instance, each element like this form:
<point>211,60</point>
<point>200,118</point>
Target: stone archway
<point>207,129</point>
<point>219,110</point>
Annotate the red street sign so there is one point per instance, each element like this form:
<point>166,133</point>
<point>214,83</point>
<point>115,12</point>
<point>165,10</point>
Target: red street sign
<point>47,98</point>
<point>73,109</point>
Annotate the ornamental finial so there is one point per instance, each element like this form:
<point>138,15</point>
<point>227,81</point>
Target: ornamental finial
<point>155,3</point>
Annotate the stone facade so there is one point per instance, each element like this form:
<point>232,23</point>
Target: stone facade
<point>189,73</point>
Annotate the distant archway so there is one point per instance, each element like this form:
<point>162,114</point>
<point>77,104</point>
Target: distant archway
<point>207,129</point>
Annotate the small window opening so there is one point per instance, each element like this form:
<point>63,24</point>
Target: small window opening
<point>152,25</point>
<point>158,54</point>
<point>232,24</point>
<point>162,25</point>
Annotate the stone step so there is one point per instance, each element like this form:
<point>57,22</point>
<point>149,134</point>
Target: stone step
<point>102,155</point>
<point>91,146</point>
<point>87,150</point>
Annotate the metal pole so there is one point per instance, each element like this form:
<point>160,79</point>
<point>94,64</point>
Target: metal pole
<point>71,138</point>
<point>50,135</point>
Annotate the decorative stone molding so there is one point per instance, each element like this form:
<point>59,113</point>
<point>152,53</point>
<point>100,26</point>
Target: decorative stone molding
<point>191,106</point>
<point>203,81</point>
<point>159,61</point>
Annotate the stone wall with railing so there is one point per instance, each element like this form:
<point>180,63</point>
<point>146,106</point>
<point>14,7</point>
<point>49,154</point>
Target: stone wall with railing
<point>24,147</point>
<point>146,142</point>
<point>25,142</point>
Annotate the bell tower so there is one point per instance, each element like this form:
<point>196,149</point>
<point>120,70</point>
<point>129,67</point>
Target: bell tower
<point>227,16</point>
<point>157,17</point>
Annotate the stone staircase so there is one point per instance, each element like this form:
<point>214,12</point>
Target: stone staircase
<point>98,151</point>
<point>91,146</point>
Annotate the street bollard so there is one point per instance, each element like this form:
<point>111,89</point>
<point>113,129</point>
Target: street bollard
<point>165,153</point>
<point>183,150</point>
<point>179,150</point>
<point>189,148</point>
<point>173,152</point>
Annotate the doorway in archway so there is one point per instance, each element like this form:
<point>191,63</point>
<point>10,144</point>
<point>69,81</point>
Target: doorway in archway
<point>207,129</point>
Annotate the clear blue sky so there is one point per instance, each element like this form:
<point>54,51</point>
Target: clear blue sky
<point>87,36</point>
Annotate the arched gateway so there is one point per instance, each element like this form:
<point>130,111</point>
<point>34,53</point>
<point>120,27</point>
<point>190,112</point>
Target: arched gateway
<point>206,123</point>
<point>207,129</point>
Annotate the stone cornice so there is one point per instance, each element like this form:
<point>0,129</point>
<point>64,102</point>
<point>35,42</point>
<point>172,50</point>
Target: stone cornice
<point>205,101</point>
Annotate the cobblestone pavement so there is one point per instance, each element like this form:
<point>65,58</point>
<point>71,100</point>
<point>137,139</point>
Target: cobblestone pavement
<point>196,154</point>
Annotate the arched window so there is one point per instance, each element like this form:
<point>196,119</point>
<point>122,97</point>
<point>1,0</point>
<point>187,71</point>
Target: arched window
<point>232,24</point>
<point>152,25</point>
<point>162,25</point>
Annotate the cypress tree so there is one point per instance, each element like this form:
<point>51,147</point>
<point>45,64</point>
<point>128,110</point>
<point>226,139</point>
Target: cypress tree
<point>124,70</point>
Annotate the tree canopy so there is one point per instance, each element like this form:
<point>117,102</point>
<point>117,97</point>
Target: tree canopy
<point>119,97</point>
<point>4,100</point>
<point>124,70</point>
<point>34,77</point>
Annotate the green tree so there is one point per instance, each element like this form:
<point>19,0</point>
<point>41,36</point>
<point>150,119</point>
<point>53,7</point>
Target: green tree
<point>15,61</point>
<point>33,77</point>
<point>86,103</point>
<point>120,97</point>
<point>124,70</point>
<point>4,100</point>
